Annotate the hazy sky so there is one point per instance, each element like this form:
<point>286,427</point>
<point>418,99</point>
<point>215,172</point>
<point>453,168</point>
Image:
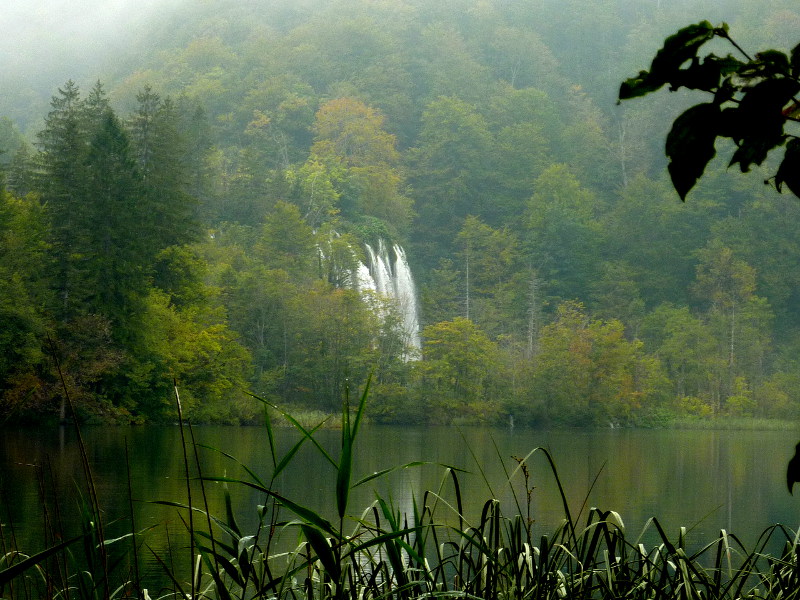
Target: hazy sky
<point>39,37</point>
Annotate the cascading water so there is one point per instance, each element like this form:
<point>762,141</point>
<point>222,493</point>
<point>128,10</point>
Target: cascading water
<point>392,279</point>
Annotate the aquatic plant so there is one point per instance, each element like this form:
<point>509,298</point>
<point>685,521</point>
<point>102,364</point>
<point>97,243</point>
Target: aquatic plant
<point>437,550</point>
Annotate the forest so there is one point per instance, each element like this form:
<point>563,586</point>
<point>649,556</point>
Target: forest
<point>200,212</point>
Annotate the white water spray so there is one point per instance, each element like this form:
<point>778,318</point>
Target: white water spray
<point>392,279</point>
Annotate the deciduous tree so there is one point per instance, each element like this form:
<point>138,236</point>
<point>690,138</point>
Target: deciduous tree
<point>459,362</point>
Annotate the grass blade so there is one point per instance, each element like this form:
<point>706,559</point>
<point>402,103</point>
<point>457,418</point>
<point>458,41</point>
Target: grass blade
<point>9,573</point>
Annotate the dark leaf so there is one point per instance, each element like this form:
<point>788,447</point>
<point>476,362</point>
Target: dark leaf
<point>16,569</point>
<point>304,513</point>
<point>773,62</point>
<point>230,517</point>
<point>768,96</point>
<point>722,30</point>
<point>730,124</point>
<point>789,171</point>
<point>705,75</point>
<point>666,66</point>
<point>222,589</point>
<point>230,569</point>
<point>690,145</point>
<point>751,151</point>
<point>323,550</point>
<point>795,61</point>
<point>679,48</point>
<point>725,92</point>
<point>640,85</point>
<point>759,120</point>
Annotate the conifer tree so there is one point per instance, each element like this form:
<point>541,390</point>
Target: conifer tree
<point>60,181</point>
<point>160,152</point>
<point>118,252</point>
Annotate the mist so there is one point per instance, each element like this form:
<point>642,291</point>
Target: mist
<point>45,43</point>
<point>40,35</point>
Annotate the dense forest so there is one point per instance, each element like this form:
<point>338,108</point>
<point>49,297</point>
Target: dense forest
<point>199,211</point>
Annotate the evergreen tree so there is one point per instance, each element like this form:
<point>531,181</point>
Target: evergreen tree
<point>19,179</point>
<point>119,254</point>
<point>160,152</point>
<point>61,183</point>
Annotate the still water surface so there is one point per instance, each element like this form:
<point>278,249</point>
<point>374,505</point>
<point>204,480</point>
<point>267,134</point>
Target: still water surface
<point>703,480</point>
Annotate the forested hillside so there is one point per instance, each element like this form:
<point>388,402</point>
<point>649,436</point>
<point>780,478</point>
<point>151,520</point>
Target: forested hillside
<point>197,211</point>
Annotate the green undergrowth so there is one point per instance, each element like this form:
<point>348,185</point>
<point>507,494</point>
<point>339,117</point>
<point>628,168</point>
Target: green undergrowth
<point>438,549</point>
<point>733,424</point>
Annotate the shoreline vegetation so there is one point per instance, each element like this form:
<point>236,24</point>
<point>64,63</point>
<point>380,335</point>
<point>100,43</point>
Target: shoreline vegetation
<point>439,550</point>
<point>314,418</point>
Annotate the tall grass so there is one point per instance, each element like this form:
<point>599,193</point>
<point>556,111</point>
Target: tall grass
<point>438,550</point>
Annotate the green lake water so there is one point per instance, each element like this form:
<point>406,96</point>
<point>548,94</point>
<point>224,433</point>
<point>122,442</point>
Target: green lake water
<point>703,480</point>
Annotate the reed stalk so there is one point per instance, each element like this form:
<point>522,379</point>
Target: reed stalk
<point>439,550</point>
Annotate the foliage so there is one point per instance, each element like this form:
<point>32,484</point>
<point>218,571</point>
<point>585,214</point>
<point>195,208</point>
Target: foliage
<point>21,256</point>
<point>589,369</point>
<point>752,102</point>
<point>459,363</point>
<point>227,183</point>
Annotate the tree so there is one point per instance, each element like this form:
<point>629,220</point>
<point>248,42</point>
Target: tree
<point>11,142</point>
<point>287,241</point>
<point>727,283</point>
<point>459,362</point>
<point>442,296</point>
<point>317,187</point>
<point>615,295</point>
<point>161,160</point>
<point>353,131</point>
<point>685,345</point>
<point>562,373</point>
<point>61,179</point>
<point>586,371</point>
<point>672,229</point>
<point>100,221</point>
<point>740,320</point>
<point>22,292</point>
<point>118,253</point>
<point>351,142</point>
<point>489,261</point>
<point>752,102</point>
<point>562,233</point>
<point>113,209</point>
<point>332,343</point>
<point>279,113</point>
<point>452,174</point>
<point>20,177</point>
<point>450,69</point>
<point>196,348</point>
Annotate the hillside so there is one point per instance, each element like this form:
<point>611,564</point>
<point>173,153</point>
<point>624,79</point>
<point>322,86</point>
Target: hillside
<point>206,214</point>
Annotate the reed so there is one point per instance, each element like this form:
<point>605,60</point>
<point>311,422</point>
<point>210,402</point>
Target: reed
<point>436,551</point>
<point>92,572</point>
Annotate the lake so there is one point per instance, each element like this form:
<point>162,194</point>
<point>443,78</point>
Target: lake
<point>703,480</point>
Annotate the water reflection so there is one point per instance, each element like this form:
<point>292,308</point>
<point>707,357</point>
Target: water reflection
<point>704,480</point>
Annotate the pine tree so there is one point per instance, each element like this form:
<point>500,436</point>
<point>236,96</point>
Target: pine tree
<point>160,152</point>
<point>118,251</point>
<point>60,180</point>
<point>19,178</point>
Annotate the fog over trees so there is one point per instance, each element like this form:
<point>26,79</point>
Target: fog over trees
<point>191,186</point>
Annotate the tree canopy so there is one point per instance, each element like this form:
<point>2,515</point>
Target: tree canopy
<point>207,215</point>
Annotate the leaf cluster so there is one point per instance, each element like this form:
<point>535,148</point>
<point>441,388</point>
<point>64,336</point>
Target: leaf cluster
<point>753,98</point>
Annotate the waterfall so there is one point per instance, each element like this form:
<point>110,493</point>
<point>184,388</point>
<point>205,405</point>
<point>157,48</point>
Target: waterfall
<point>392,279</point>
